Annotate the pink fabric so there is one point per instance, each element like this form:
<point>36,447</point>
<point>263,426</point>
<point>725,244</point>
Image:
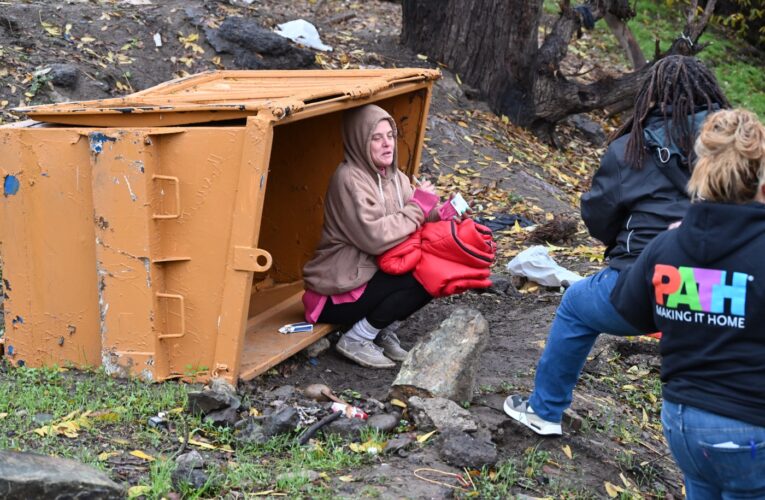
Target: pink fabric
<point>426,201</point>
<point>313,302</point>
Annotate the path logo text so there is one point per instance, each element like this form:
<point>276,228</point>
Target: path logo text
<point>707,296</point>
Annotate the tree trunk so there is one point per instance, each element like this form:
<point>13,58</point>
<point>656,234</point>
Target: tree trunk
<point>493,45</point>
<point>450,31</point>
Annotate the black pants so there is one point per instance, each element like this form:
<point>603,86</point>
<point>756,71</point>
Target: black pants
<point>387,298</point>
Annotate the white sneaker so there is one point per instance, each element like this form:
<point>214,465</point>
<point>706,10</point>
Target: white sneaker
<point>518,408</point>
<point>363,352</point>
<point>391,345</point>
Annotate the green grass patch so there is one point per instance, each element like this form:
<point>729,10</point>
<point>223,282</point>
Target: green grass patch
<point>739,72</point>
<point>112,421</point>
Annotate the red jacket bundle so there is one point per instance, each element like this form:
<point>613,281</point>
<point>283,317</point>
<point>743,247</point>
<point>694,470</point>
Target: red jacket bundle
<point>447,257</point>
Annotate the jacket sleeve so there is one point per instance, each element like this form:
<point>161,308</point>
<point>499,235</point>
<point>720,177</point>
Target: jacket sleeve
<point>404,257</point>
<point>603,209</point>
<point>367,227</point>
<point>632,295</point>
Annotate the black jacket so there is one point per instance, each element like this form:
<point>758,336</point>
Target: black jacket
<point>703,286</point>
<point>627,207</point>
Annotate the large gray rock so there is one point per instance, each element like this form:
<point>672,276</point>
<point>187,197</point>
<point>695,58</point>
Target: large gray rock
<point>441,414</point>
<point>28,475</point>
<point>446,362</point>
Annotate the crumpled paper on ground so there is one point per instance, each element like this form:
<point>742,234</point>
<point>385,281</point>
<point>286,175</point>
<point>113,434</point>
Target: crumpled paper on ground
<point>536,264</point>
<point>302,32</point>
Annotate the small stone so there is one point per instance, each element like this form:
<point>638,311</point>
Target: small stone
<point>204,402</point>
<point>302,474</point>
<point>283,393</point>
<point>499,284</point>
<point>250,434</point>
<point>281,420</point>
<point>196,478</point>
<point>591,130</point>
<point>64,75</point>
<point>385,422</point>
<point>347,428</point>
<point>226,417</point>
<point>317,348</point>
<point>399,443</point>
<point>572,419</point>
<point>42,418</point>
<point>441,414</point>
<point>190,460</point>
<point>464,450</point>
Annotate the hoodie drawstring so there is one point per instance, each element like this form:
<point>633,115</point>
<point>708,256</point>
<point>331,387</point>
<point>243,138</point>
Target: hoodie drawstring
<point>398,190</point>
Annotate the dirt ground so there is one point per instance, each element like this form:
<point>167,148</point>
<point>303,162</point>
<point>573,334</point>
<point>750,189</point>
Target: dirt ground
<point>614,433</point>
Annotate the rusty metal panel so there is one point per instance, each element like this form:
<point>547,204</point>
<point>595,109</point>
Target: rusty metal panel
<point>226,95</point>
<point>49,273</point>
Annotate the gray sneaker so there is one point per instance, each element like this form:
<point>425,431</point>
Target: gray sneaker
<point>391,345</point>
<point>518,408</point>
<point>363,352</point>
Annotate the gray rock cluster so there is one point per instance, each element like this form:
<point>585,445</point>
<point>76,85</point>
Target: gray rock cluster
<point>255,47</point>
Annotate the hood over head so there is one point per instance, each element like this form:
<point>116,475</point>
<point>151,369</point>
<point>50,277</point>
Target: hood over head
<point>358,126</point>
<point>712,231</point>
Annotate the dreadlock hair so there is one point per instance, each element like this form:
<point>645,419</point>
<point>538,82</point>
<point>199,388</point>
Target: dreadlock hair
<point>677,86</point>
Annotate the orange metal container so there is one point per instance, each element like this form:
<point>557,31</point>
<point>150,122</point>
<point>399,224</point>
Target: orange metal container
<point>162,235</point>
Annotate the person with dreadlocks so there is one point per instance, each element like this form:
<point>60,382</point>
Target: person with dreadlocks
<point>637,193</point>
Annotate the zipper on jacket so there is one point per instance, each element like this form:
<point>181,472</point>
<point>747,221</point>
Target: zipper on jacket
<point>463,247</point>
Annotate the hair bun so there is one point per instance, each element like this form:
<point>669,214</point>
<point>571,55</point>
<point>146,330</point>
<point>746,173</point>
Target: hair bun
<point>730,153</point>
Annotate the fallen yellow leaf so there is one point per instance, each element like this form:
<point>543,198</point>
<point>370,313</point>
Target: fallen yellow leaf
<point>142,455</point>
<point>612,490</point>
<point>398,402</point>
<point>345,479</point>
<point>137,491</point>
<point>567,450</point>
<point>422,57</point>
<point>425,437</point>
<point>103,457</point>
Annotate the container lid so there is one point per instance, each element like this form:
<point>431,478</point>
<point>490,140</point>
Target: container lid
<point>227,95</point>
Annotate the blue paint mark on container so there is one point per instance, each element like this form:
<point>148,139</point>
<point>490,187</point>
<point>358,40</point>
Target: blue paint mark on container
<point>18,319</point>
<point>97,140</point>
<point>21,363</point>
<point>45,174</point>
<point>11,350</point>
<point>10,185</point>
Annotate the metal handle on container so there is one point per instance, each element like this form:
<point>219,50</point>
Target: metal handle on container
<point>177,182</point>
<point>182,304</point>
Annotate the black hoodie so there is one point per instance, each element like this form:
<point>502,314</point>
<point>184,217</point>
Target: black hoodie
<point>626,207</point>
<point>703,286</point>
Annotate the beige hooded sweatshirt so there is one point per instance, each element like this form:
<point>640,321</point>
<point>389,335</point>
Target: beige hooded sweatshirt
<point>365,213</point>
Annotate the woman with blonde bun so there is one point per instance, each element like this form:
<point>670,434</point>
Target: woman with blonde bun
<point>703,286</point>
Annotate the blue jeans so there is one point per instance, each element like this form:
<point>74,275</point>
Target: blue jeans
<point>736,470</point>
<point>584,313</point>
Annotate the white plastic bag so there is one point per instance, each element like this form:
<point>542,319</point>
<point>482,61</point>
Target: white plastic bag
<point>536,264</point>
<point>302,32</point>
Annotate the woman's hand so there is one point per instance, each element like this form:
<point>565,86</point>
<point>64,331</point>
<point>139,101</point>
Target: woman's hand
<point>427,186</point>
